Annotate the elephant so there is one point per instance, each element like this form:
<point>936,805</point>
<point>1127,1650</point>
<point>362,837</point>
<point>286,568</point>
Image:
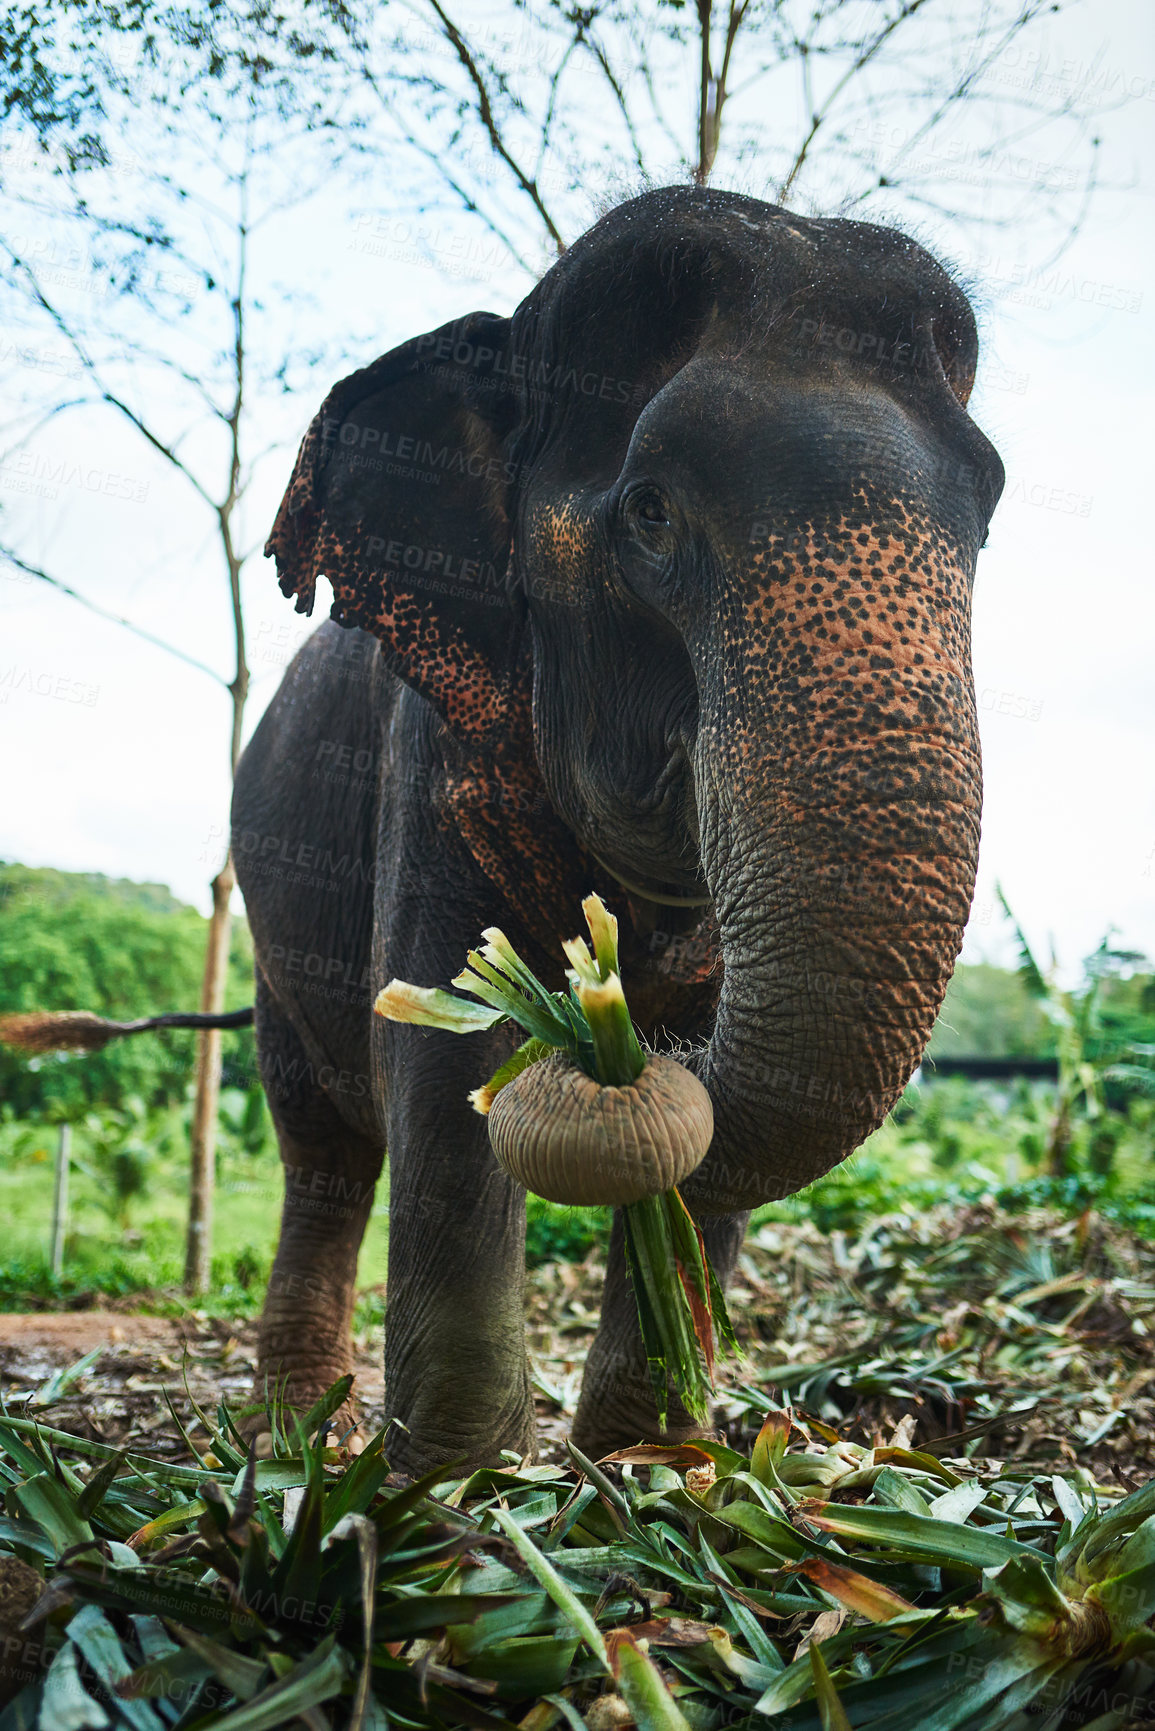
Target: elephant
<point>658,588</point>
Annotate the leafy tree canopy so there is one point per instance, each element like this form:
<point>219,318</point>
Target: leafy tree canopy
<point>80,941</point>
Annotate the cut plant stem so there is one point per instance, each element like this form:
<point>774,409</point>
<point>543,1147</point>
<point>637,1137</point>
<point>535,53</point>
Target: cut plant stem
<point>677,1335</point>
<point>674,1287</point>
<point>618,1057</point>
<point>604,932</point>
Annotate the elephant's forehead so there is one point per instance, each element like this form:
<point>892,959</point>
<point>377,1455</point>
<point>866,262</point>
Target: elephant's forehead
<point>749,437</point>
<point>727,251</point>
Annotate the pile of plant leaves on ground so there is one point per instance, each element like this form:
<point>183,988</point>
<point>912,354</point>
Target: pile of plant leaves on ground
<point>1032,1332</point>
<point>951,1530</point>
<point>814,1583</point>
<point>1031,1335</point>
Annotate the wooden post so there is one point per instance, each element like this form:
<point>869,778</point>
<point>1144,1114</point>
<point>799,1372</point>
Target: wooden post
<point>202,1166</point>
<point>60,1200</point>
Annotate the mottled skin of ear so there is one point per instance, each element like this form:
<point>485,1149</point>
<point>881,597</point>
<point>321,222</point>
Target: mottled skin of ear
<point>398,498</point>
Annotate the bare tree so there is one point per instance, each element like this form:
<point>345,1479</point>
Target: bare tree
<point>164,348</point>
<point>913,106</point>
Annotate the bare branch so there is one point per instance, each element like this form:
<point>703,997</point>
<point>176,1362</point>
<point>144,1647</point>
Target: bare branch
<point>554,88</point>
<point>705,82</point>
<point>51,414</point>
<point>489,121</point>
<point>601,58</point>
<point>964,88</point>
<point>437,161</point>
<point>717,87</point>
<point>862,60</point>
<point>105,613</point>
<point>239,685</point>
<point>106,394</point>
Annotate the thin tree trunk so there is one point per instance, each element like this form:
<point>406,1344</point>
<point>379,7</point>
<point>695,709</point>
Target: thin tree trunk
<point>1058,1159</point>
<point>202,1173</point>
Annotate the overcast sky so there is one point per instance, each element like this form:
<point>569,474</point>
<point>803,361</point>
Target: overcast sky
<point>115,754</point>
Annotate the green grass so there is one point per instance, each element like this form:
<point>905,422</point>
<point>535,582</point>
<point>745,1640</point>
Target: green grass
<point>145,1253</point>
<point>954,1141</point>
<point>111,1252</point>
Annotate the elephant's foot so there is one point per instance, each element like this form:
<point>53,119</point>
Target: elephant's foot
<point>457,1388</point>
<point>459,1423</point>
<point>297,1364</point>
<point>460,1452</point>
<point>617,1409</point>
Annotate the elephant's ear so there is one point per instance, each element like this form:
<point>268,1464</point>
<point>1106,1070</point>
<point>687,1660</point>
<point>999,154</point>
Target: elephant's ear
<point>399,498</point>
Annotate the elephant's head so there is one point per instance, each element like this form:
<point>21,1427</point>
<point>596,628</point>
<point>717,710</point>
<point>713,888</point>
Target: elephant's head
<point>714,491</point>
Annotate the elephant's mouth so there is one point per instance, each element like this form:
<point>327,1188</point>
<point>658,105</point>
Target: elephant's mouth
<point>668,819</point>
<point>665,895</point>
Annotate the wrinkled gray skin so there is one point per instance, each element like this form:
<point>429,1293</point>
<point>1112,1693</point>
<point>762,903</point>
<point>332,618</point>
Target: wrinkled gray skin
<point>669,577</point>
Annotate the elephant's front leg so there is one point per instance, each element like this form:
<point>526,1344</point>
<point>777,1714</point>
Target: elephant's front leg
<point>305,1339</point>
<point>331,1171</point>
<point>617,1406</point>
<point>456,1372</point>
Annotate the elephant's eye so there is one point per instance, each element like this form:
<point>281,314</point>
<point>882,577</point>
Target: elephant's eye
<point>647,507</point>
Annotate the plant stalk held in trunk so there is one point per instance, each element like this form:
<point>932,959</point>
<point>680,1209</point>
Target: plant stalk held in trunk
<point>582,1115</point>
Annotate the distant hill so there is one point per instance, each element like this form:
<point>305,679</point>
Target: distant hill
<point>82,941</point>
<point>55,887</point>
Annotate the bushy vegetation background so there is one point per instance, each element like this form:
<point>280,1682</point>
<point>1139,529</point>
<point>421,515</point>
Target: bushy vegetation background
<point>82,941</point>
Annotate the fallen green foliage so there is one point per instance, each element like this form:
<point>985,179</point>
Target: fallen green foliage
<point>815,1583</point>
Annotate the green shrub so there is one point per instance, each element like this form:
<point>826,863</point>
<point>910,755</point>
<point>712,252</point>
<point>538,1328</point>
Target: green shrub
<point>554,1234</point>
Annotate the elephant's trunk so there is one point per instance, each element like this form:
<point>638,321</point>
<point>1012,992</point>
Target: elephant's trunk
<point>839,835</point>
